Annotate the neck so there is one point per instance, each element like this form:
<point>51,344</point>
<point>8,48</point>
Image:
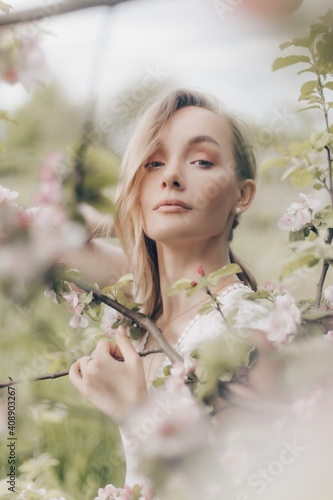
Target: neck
<point>181,261</point>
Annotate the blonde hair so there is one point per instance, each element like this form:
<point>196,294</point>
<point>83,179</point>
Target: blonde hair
<point>139,248</point>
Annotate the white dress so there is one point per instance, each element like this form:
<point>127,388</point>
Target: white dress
<point>201,328</point>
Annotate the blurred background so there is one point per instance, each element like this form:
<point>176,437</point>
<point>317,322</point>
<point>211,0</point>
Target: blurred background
<point>119,58</point>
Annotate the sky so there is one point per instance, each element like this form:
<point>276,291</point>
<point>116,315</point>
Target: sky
<point>127,48</point>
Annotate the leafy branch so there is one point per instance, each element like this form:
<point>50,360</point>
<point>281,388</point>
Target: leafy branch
<point>306,163</point>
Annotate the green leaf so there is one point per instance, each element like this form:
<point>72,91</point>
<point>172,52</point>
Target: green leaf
<point>109,291</point>
<point>302,42</point>
<point>305,259</point>
<point>320,139</point>
<point>87,299</point>
<point>285,45</point>
<point>318,186</point>
<point>158,382</point>
<point>301,178</point>
<point>305,304</point>
<point>182,284</point>
<point>206,308</point>
<point>309,87</point>
<point>314,314</point>
<point>323,219</point>
<point>329,85</point>
<point>259,294</point>
<point>296,235</point>
<point>5,7</point>
<point>230,318</point>
<point>193,290</point>
<point>136,493</point>
<point>133,306</point>
<point>124,281</point>
<point>135,332</point>
<point>296,42</point>
<point>298,148</point>
<point>282,62</point>
<point>93,310</point>
<point>121,297</point>
<point>309,107</point>
<point>274,162</point>
<point>312,69</point>
<point>2,147</point>
<point>166,370</point>
<point>214,277</point>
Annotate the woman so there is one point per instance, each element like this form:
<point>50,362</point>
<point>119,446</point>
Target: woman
<point>187,174</point>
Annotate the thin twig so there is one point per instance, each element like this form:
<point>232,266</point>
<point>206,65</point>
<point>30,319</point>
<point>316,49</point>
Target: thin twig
<point>142,321</point>
<point>326,263</point>
<point>63,373</point>
<point>56,9</point>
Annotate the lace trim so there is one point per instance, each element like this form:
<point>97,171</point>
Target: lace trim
<point>190,325</point>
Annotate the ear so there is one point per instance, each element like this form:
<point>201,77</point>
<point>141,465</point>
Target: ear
<point>247,192</point>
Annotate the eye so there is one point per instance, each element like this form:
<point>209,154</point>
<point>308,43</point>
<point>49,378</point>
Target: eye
<point>153,164</point>
<point>203,163</point>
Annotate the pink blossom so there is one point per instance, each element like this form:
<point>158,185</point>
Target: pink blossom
<point>30,487</point>
<point>175,382</point>
<point>282,321</point>
<point>270,286</point>
<point>21,58</point>
<point>110,316</point>
<point>310,201</point>
<point>29,216</point>
<point>7,196</point>
<point>107,493</point>
<point>73,296</point>
<point>299,214</point>
<point>49,170</point>
<point>51,293</point>
<point>50,193</point>
<point>79,320</point>
<point>200,270</point>
<point>110,492</point>
<point>328,294</point>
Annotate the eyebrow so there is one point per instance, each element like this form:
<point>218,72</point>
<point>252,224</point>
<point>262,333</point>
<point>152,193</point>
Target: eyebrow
<point>202,138</point>
<point>194,140</point>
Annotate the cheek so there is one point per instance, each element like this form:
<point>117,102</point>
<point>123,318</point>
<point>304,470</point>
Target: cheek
<point>215,193</point>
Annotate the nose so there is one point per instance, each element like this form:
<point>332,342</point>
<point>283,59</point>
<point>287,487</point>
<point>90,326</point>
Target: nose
<point>172,177</point>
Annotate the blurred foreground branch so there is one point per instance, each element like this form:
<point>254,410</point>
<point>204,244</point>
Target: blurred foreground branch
<point>56,9</point>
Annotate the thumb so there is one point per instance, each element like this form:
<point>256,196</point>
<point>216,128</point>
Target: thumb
<point>125,345</point>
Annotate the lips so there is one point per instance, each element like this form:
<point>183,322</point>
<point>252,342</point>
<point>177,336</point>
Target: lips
<point>172,203</point>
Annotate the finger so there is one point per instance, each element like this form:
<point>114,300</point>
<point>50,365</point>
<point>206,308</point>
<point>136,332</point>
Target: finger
<point>73,375</point>
<point>107,347</point>
<point>125,345</point>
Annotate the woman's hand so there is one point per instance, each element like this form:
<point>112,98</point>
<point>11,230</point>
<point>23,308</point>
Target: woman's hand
<point>114,387</point>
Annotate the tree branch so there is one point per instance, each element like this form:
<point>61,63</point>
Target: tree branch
<point>141,321</point>
<point>63,373</point>
<point>56,9</point>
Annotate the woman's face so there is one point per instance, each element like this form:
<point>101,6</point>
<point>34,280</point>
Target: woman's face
<point>190,190</point>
